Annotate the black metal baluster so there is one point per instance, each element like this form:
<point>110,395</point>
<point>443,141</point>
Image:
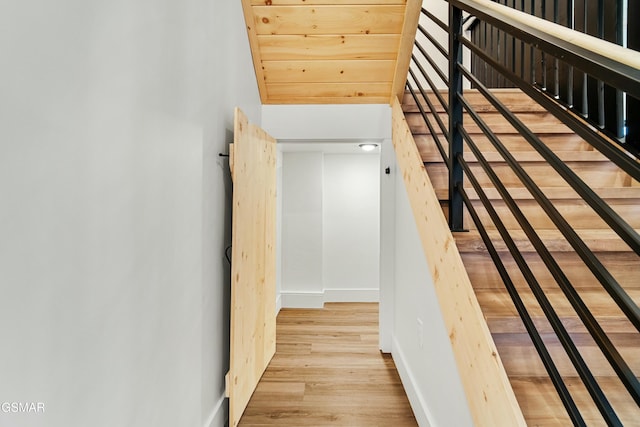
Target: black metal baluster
<point>556,66</point>
<point>572,24</point>
<point>600,82</point>
<point>543,12</point>
<point>620,114</point>
<point>585,80</point>
<point>633,104</point>
<point>533,56</point>
<point>522,56</point>
<point>456,202</point>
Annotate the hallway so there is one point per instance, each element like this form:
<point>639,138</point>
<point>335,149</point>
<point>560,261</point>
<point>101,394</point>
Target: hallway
<point>328,371</point>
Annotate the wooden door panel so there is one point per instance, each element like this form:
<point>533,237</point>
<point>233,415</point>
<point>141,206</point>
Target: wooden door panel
<point>253,268</point>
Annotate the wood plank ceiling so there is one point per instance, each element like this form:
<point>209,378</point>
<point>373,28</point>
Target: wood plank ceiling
<point>331,51</point>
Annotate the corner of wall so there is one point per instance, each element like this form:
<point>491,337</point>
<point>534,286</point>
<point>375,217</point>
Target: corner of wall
<point>411,387</point>
<point>220,415</point>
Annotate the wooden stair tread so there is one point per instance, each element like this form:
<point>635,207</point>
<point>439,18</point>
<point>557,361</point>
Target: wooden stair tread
<point>542,406</point>
<point>497,302</point>
<point>484,275</point>
<point>611,194</point>
<point>598,240</point>
<point>512,98</point>
<point>578,214</point>
<point>557,142</point>
<point>521,359</point>
<point>510,324</point>
<point>545,123</point>
<point>594,174</point>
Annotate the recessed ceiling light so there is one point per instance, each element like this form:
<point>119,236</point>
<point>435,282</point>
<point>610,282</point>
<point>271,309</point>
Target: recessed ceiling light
<point>368,147</point>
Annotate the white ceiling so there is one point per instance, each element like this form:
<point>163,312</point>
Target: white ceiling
<point>329,147</point>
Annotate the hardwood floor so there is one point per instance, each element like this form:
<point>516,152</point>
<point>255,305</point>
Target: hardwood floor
<point>328,371</point>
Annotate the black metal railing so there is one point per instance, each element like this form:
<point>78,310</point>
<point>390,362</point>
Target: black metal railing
<point>601,104</point>
<point>523,56</point>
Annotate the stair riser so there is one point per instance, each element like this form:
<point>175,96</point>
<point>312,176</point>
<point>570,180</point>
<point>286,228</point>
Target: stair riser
<point>543,408</point>
<point>502,316</point>
<point>595,174</point>
<point>514,143</point>
<point>512,99</point>
<point>578,214</point>
<point>520,358</point>
<point>484,275</point>
<point>537,123</point>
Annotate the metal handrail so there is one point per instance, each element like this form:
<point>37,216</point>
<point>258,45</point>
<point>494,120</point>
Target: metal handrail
<point>607,61</point>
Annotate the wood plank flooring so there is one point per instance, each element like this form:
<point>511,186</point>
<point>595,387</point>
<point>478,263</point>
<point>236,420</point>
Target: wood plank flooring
<point>328,371</point>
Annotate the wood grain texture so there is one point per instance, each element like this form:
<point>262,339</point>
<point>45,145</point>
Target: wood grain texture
<point>329,71</point>
<point>595,174</point>
<point>284,91</point>
<point>337,99</point>
<point>483,273</point>
<point>596,240</point>
<point>514,143</point>
<point>329,47</point>
<point>255,51</point>
<point>329,19</point>
<point>490,396</point>
<point>323,2</point>
<point>544,123</point>
<point>578,214</point>
<point>409,28</point>
<point>328,371</point>
<point>323,51</point>
<point>543,408</point>
<point>511,98</point>
<point>252,339</point>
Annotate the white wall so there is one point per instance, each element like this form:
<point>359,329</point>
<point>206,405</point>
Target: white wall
<point>279,206</point>
<point>422,353</point>
<point>337,123</point>
<point>439,8</point>
<point>302,230</point>
<point>387,245</point>
<point>330,228</point>
<point>306,125</point>
<point>351,227</point>
<point>114,208</point>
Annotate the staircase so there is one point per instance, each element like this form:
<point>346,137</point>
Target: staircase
<point>532,386</point>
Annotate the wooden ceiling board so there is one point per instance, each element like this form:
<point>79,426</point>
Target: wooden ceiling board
<point>328,71</point>
<point>255,50</point>
<point>329,47</point>
<point>307,100</point>
<point>327,51</point>
<point>409,29</point>
<point>328,90</point>
<point>375,19</point>
<point>318,2</point>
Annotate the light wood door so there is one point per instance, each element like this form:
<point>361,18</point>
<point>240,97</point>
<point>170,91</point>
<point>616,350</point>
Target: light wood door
<point>253,268</point>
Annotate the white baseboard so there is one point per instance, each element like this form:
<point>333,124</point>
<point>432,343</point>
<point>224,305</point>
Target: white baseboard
<point>352,295</point>
<point>317,299</point>
<point>302,299</point>
<point>278,303</point>
<point>416,400</point>
<point>219,415</point>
